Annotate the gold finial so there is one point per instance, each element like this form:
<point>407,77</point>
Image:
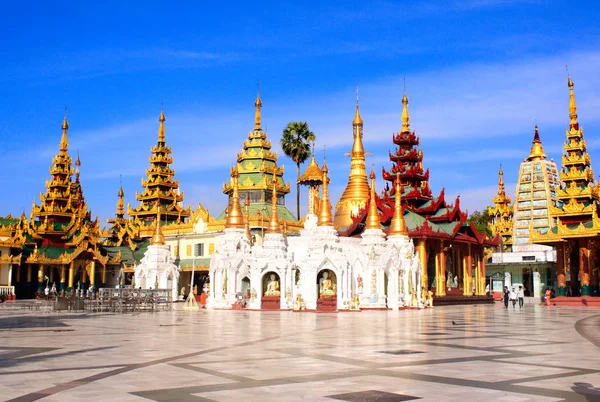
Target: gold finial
<point>373,221</point>
<point>500,181</point>
<point>120,202</point>
<point>64,142</point>
<point>257,105</point>
<point>358,121</point>
<point>572,104</point>
<point>274,222</point>
<point>235,219</point>
<point>158,239</point>
<point>537,151</point>
<point>325,218</point>
<point>405,116</point>
<point>161,127</point>
<point>398,225</point>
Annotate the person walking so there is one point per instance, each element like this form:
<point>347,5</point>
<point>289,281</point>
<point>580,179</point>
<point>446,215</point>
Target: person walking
<point>513,297</point>
<point>521,296</point>
<point>506,296</point>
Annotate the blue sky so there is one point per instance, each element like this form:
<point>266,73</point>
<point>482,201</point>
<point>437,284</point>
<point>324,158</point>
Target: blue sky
<point>479,74</point>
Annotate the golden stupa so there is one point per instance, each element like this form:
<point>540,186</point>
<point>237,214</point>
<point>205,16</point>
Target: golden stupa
<point>356,194</point>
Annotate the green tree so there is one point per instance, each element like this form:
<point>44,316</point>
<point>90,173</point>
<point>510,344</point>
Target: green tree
<point>481,219</point>
<point>295,143</point>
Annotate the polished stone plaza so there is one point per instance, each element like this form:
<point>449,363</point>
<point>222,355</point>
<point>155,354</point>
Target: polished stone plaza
<point>467,353</point>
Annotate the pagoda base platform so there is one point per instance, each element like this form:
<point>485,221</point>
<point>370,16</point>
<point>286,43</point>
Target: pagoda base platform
<point>586,301</point>
<point>461,300</point>
<point>327,304</point>
<point>270,303</point>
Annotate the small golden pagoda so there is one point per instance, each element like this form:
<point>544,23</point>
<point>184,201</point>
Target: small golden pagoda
<point>257,169</point>
<point>325,218</point>
<point>160,189</point>
<point>373,221</point>
<point>576,223</point>
<point>312,178</point>
<point>502,214</point>
<point>356,193</point>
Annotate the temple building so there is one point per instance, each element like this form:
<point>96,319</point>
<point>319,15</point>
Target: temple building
<point>60,243</point>
<point>451,250</point>
<point>517,262</point>
<point>257,167</point>
<point>575,222</point>
<point>317,270</point>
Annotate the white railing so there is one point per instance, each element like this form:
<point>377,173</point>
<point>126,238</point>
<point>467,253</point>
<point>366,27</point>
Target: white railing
<point>7,290</point>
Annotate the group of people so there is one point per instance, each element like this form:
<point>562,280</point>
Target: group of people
<point>513,295</point>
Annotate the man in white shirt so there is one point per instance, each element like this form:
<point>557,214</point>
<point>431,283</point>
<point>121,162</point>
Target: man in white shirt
<point>521,295</point>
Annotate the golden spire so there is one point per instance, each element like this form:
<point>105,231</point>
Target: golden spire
<point>398,225</point>
<point>120,202</point>
<point>161,127</point>
<point>356,193</point>
<point>373,221</point>
<point>235,220</point>
<point>158,239</point>
<point>537,151</point>
<point>64,142</point>
<point>325,210</point>
<point>358,121</point>
<point>257,105</point>
<point>501,191</point>
<point>274,222</point>
<point>405,116</point>
<point>572,105</point>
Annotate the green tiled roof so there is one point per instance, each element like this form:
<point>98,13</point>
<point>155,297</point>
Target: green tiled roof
<point>190,261</point>
<point>141,250</point>
<point>54,252</point>
<point>7,221</point>
<point>282,212</point>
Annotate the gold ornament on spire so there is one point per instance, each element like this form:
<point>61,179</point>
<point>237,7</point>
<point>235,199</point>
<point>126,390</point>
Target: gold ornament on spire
<point>274,222</point>
<point>158,239</point>
<point>121,203</point>
<point>405,116</point>
<point>325,218</point>
<point>537,151</point>
<point>373,221</point>
<point>398,225</point>
<point>358,121</point>
<point>161,127</point>
<point>257,105</point>
<point>64,141</point>
<point>572,105</point>
<point>235,220</point>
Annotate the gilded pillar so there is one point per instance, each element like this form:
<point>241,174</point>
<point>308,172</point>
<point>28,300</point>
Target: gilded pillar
<point>584,268</point>
<point>71,274</point>
<point>40,279</point>
<point>28,272</point>
<point>63,279</point>
<point>481,269</point>
<point>103,280</point>
<point>468,272</point>
<point>422,250</point>
<point>560,269</point>
<point>440,269</point>
<point>93,273</point>
<point>83,275</point>
<point>593,246</point>
<point>18,275</point>
<point>10,269</point>
<point>51,274</point>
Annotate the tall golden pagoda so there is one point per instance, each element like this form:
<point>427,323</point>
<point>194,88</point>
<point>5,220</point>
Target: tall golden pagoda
<point>325,218</point>
<point>159,187</point>
<point>257,168</point>
<point>576,223</point>
<point>356,193</point>
<point>502,214</point>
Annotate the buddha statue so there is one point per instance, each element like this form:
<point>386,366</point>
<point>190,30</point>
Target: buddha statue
<point>272,286</point>
<point>326,288</point>
<point>299,304</point>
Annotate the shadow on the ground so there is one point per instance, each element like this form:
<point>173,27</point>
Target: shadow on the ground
<point>587,390</point>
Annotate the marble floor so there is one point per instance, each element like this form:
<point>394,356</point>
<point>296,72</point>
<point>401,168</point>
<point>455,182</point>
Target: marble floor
<point>466,353</point>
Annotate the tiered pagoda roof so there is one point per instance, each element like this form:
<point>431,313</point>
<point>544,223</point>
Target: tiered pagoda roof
<point>160,189</point>
<point>576,210</point>
<point>425,216</point>
<point>501,213</point>
<point>256,167</point>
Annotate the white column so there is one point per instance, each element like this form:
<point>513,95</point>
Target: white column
<point>283,289</point>
<point>537,284</point>
<point>508,280</point>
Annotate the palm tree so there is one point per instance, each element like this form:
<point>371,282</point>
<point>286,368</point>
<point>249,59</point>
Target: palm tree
<point>295,143</point>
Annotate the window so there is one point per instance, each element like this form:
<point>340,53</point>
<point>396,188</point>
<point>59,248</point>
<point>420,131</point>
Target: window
<point>529,258</point>
<point>199,249</point>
